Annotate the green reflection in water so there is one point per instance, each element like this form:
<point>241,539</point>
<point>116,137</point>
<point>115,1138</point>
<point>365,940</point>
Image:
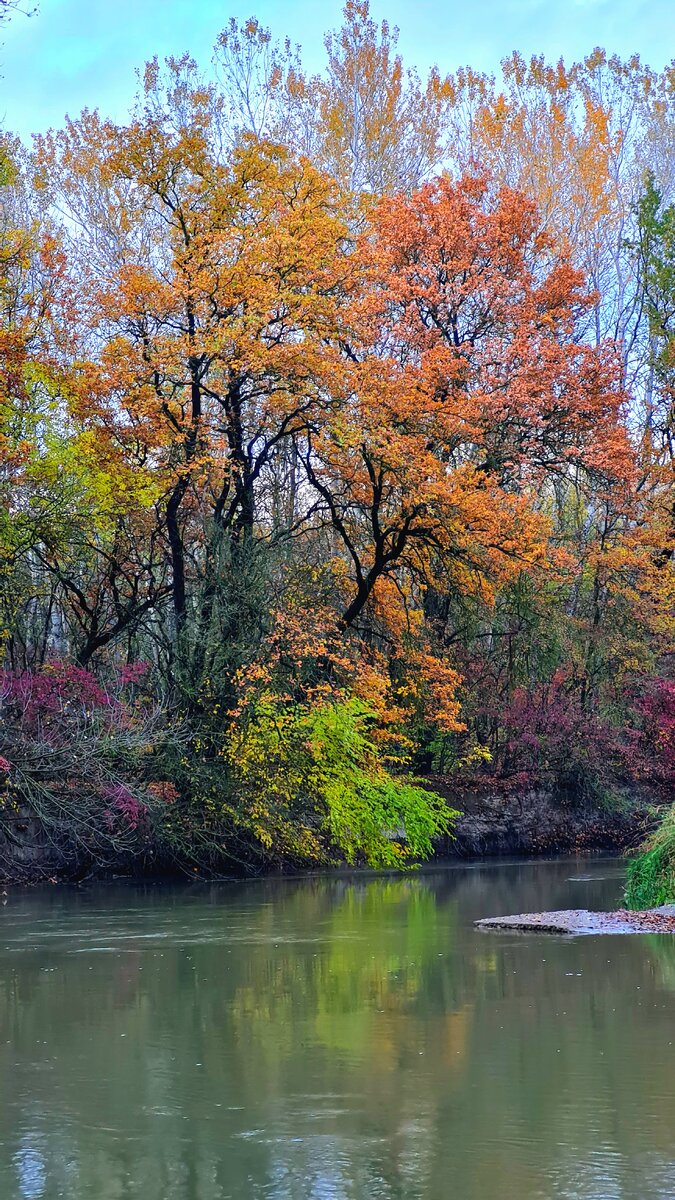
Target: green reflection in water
<point>334,1038</point>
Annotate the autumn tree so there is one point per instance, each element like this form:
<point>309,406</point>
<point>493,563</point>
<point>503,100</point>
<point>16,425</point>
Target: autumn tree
<point>38,497</point>
<point>366,120</point>
<point>217,317</point>
<point>467,392</point>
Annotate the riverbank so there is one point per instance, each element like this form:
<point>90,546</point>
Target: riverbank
<point>494,822</point>
<point>498,822</point>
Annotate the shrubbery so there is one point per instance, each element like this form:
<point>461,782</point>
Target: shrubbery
<point>75,758</point>
<point>114,781</point>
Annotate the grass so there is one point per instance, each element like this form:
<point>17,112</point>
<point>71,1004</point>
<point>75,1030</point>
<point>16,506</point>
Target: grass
<point>651,871</point>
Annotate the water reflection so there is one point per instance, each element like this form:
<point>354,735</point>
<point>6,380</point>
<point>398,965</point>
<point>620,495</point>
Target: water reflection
<point>31,1173</point>
<point>347,1038</point>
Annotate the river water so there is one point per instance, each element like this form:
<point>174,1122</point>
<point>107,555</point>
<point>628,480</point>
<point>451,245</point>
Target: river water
<point>334,1038</point>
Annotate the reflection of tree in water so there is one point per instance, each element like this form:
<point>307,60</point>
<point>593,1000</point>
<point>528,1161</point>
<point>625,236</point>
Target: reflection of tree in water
<point>330,958</point>
<point>331,1037</point>
<point>662,950</point>
<point>373,973</point>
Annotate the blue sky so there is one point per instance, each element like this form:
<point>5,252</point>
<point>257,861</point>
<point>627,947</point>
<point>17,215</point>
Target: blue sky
<point>74,53</point>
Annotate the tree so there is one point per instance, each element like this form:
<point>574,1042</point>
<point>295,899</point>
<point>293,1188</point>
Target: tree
<point>7,7</point>
<point>656,248</point>
<point>467,393</point>
<point>575,139</point>
<point>379,130</point>
<point>217,322</point>
<point>367,120</point>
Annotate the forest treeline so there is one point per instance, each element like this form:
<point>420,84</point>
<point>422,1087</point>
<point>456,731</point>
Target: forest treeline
<point>336,450</point>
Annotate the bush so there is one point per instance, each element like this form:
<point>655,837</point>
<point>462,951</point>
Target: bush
<point>310,783</point>
<point>74,758</point>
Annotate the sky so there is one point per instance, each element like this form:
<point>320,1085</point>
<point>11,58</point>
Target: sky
<point>77,53</point>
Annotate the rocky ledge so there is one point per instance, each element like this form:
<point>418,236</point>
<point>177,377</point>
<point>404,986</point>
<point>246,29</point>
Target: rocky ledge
<point>496,820</point>
<point>581,921</point>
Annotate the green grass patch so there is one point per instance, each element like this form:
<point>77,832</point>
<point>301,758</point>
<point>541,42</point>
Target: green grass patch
<point>651,872</point>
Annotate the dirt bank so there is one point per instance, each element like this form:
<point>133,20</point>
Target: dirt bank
<point>496,821</point>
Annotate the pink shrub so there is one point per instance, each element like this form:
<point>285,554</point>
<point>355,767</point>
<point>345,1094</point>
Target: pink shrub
<point>58,691</point>
<point>133,673</point>
<point>122,804</point>
<point>656,709</point>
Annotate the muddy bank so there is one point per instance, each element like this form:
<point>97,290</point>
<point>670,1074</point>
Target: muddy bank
<point>496,822</point>
<point>26,853</point>
<point>580,921</point>
<point>29,853</point>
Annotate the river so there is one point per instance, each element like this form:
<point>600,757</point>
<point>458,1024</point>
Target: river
<point>334,1038</point>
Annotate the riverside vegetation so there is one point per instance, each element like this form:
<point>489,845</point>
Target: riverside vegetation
<point>336,450</point>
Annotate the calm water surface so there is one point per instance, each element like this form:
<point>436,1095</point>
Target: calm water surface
<point>336,1038</point>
